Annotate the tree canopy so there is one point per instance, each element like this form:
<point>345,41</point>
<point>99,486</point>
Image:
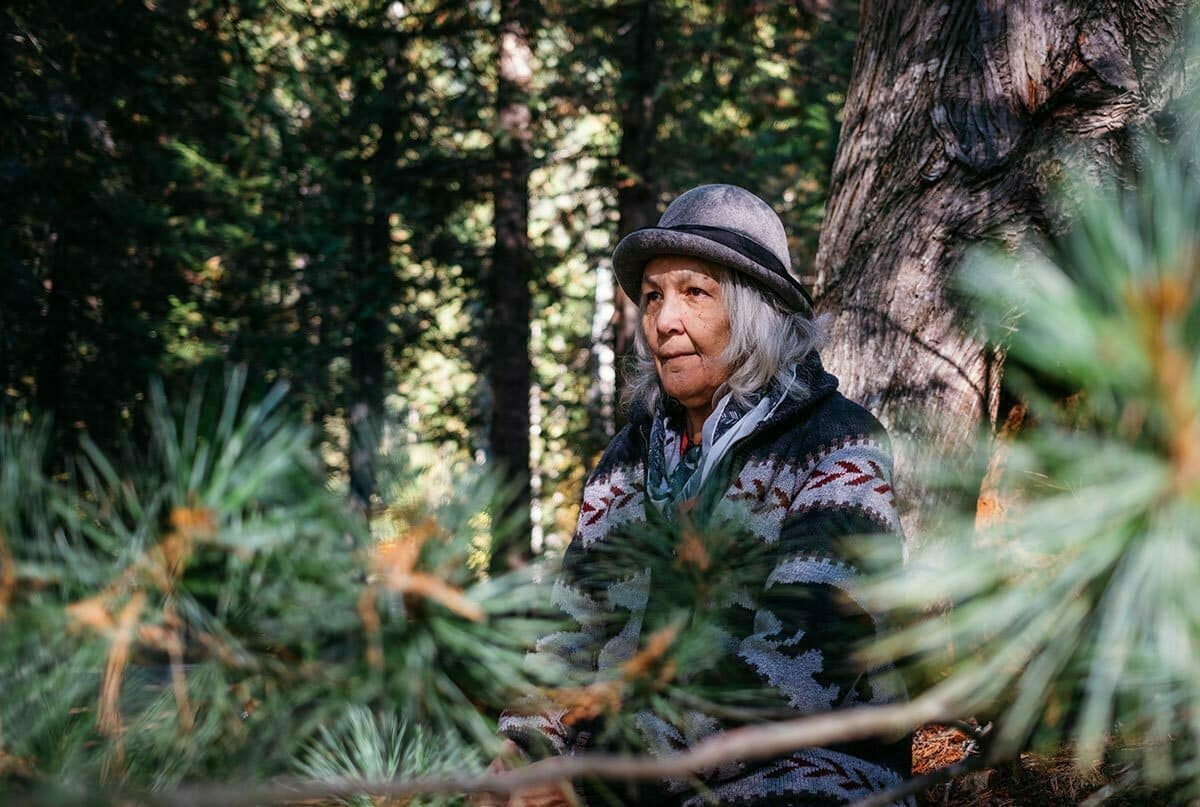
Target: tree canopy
<point>309,189</point>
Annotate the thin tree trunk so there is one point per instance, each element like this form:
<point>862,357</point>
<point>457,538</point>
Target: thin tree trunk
<point>637,193</point>
<point>511,276</point>
<point>367,364</point>
<point>372,294</point>
<point>959,121</point>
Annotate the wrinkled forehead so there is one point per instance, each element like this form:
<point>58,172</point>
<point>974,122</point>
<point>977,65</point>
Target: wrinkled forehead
<point>670,268</point>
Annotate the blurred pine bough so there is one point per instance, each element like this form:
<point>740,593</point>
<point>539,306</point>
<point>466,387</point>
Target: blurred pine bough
<point>380,747</point>
<point>210,610</point>
<point>1073,615</point>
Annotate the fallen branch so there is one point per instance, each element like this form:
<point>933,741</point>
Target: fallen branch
<point>745,743</point>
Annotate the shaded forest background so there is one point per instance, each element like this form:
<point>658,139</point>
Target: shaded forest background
<point>369,201</point>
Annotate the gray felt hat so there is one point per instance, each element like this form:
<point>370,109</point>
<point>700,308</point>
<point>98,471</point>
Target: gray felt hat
<point>724,224</point>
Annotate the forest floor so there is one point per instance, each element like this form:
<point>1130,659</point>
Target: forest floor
<point>1044,780</point>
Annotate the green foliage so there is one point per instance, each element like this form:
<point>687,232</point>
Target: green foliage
<point>366,746</point>
<point>201,608</point>
<point>111,113</point>
<point>1076,610</point>
<point>753,99</point>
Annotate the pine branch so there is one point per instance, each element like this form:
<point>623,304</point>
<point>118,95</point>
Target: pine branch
<point>746,744</point>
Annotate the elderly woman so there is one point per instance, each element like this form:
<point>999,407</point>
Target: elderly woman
<point>733,419</point>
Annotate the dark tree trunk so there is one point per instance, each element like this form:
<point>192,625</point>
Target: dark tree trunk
<point>959,120</point>
<point>511,277</point>
<point>372,293</point>
<point>637,193</point>
<point>367,365</point>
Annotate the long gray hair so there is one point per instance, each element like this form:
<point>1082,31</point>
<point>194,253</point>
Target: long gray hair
<point>765,341</point>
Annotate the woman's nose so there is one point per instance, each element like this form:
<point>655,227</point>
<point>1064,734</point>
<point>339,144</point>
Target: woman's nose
<point>670,315</point>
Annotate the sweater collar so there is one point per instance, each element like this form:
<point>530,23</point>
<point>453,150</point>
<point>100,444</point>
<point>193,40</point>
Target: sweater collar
<point>818,383</point>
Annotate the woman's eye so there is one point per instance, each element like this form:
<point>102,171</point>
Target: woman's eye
<point>696,291</point>
<point>651,296</point>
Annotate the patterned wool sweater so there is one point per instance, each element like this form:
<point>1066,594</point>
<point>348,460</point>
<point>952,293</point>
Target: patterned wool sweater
<point>813,476</point>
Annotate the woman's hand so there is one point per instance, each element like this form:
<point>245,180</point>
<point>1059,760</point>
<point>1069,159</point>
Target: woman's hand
<point>500,764</point>
<point>555,794</point>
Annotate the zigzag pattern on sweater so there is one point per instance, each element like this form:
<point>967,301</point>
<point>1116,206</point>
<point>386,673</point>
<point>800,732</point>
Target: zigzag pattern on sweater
<point>813,771</point>
<point>611,500</point>
<point>818,471</point>
<point>849,474</point>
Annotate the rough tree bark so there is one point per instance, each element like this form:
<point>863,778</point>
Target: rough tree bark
<point>637,190</point>
<point>959,120</point>
<point>511,276</point>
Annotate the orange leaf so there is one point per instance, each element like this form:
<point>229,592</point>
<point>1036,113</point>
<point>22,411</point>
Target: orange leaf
<point>691,552</point>
<point>108,716</point>
<point>92,613</point>
<point>438,590</point>
<point>645,660</point>
<point>588,702</point>
<point>8,575</point>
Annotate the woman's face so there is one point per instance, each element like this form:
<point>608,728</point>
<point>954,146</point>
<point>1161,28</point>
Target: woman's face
<point>686,325</point>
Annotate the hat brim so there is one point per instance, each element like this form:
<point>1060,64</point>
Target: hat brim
<point>641,246</point>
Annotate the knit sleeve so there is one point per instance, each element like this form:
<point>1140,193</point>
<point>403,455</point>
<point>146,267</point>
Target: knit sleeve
<point>601,629</point>
<point>806,625</point>
<point>602,614</point>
